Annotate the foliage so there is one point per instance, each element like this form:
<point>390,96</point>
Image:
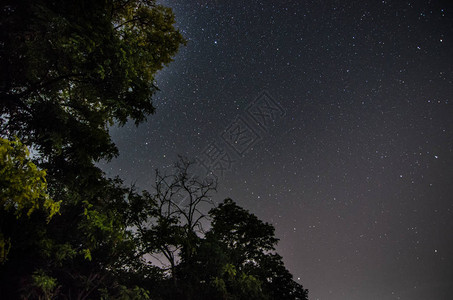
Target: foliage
<point>69,70</point>
<point>249,245</point>
<point>43,286</point>
<point>73,67</point>
<point>237,256</point>
<point>232,285</point>
<point>234,259</point>
<point>124,293</point>
<point>23,185</point>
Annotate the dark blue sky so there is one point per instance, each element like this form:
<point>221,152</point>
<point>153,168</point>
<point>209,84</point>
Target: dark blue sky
<point>343,118</point>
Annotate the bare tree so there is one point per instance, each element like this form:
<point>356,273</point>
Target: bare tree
<point>170,231</point>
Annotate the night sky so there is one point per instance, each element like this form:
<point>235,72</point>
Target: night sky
<point>332,120</point>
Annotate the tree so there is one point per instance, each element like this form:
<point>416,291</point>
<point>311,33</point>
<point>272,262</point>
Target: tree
<point>235,259</point>
<point>248,245</point>
<point>23,187</point>
<point>69,70</point>
<point>169,222</point>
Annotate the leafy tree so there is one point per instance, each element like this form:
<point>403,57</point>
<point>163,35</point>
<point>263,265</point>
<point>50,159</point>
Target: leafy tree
<point>234,285</point>
<point>237,260</point>
<point>69,70</point>
<point>42,287</point>
<point>23,187</point>
<point>249,245</point>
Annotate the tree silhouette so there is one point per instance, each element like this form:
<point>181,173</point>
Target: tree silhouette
<point>169,225</point>
<point>237,258</point>
<point>234,259</point>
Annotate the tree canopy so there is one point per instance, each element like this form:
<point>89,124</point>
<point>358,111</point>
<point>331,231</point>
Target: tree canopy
<point>70,68</point>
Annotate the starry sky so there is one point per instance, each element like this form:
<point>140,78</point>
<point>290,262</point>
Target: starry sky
<point>333,120</point>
